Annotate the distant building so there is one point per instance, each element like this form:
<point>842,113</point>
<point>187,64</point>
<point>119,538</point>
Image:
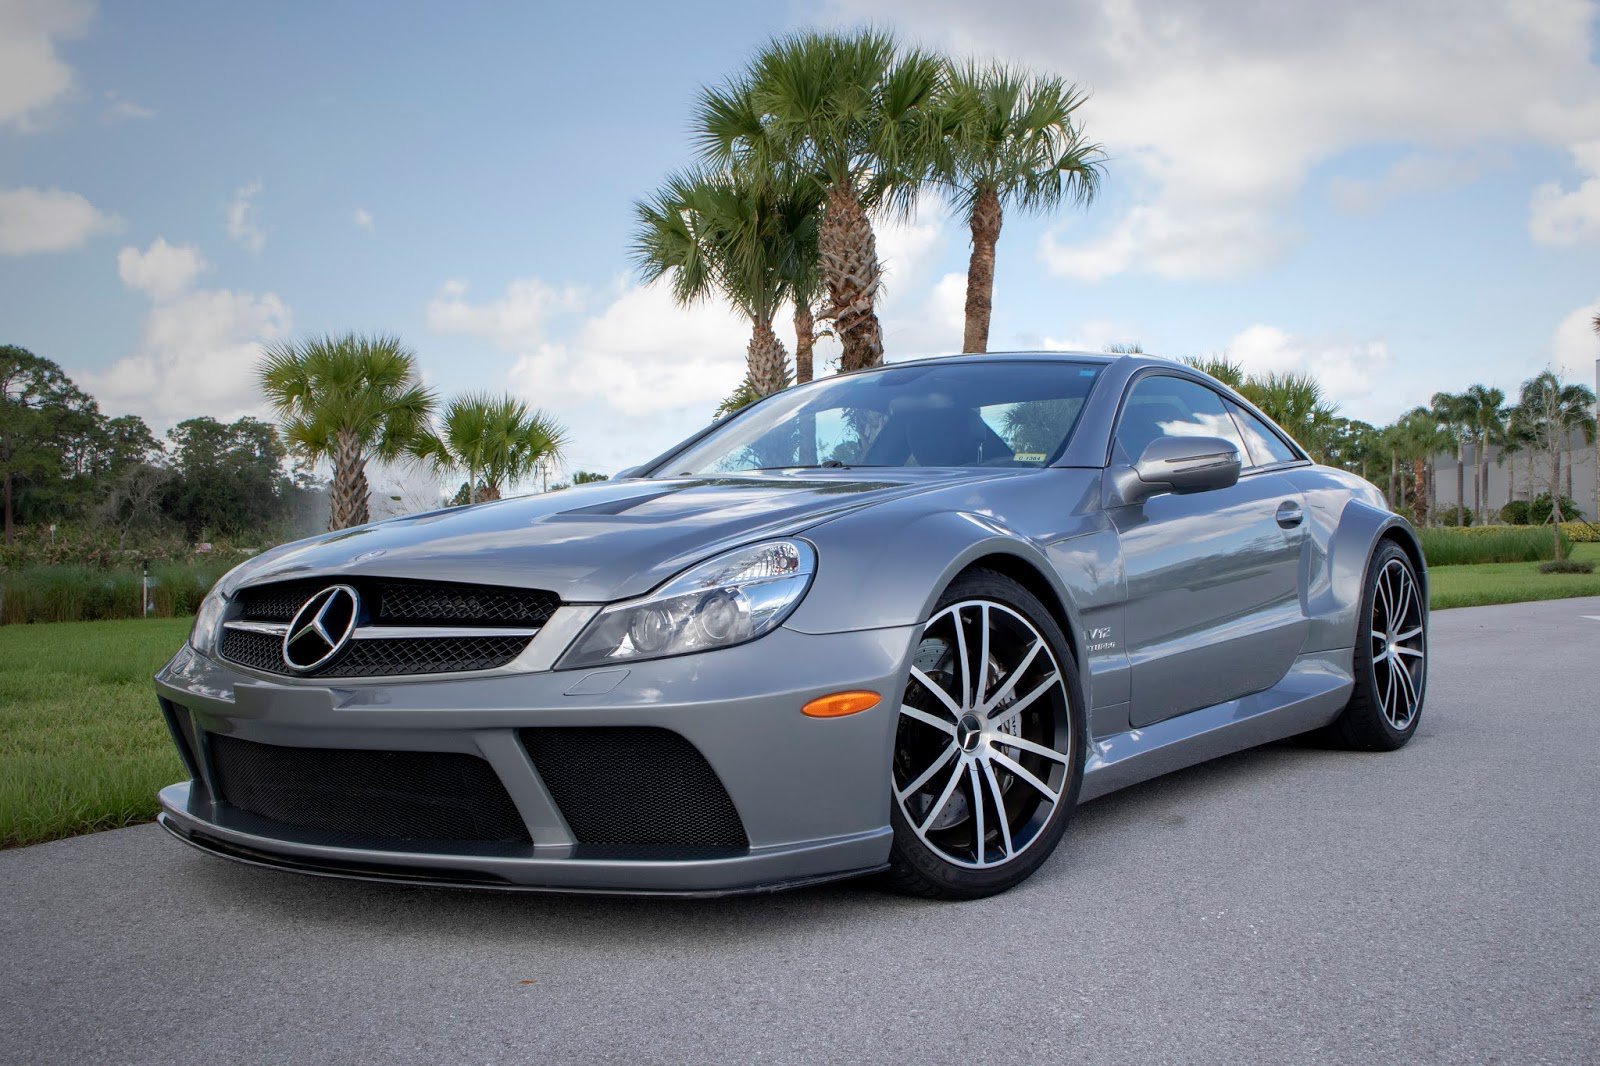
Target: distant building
<point>1509,478</point>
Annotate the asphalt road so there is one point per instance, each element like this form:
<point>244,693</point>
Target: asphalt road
<point>1437,904</point>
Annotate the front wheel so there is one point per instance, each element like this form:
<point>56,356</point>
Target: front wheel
<point>1391,658</point>
<point>988,754</point>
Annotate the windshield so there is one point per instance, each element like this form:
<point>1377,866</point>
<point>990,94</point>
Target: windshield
<point>1000,414</point>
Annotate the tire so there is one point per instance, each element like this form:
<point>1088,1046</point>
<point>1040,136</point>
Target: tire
<point>958,753</point>
<point>1391,663</point>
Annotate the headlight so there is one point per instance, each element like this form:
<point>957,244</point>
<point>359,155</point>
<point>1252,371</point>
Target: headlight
<point>207,620</point>
<point>728,600</point>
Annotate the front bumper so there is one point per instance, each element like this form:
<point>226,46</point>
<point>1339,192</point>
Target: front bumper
<point>812,794</point>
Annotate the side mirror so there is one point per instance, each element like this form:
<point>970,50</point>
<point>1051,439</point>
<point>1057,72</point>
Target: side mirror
<point>1182,465</point>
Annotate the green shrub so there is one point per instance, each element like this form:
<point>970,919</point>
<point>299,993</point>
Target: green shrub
<point>1515,513</point>
<point>1566,566</point>
<point>1539,511</point>
<point>1581,532</point>
<point>1447,516</point>
<point>1488,544</point>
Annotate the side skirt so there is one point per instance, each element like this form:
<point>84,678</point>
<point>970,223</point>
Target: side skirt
<point>1311,695</point>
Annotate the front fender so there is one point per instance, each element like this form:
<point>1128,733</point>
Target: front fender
<point>879,574</point>
<point>1334,597</point>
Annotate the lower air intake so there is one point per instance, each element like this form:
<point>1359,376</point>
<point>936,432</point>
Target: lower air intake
<point>404,795</point>
<point>627,785</point>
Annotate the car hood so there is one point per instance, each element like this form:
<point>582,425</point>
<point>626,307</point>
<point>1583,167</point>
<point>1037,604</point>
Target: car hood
<point>597,543</point>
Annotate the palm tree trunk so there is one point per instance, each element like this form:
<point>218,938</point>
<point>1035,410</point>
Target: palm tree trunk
<point>1461,484</point>
<point>766,360</point>
<point>805,339</point>
<point>1477,483</point>
<point>348,494</point>
<point>849,255</point>
<point>985,225</point>
<point>1555,500</point>
<point>1419,491</point>
<point>6,492</point>
<point>490,492</point>
<point>1394,481</point>
<point>1511,482</point>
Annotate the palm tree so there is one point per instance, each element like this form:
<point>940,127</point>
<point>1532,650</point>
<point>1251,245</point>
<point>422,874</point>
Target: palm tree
<point>1295,402</point>
<point>349,400</point>
<point>1454,412</point>
<point>1012,144</point>
<point>739,234</point>
<point>1487,408</point>
<point>1554,411</point>
<point>1516,438</point>
<point>857,115</point>
<point>1417,437</point>
<point>1220,367</point>
<point>496,441</point>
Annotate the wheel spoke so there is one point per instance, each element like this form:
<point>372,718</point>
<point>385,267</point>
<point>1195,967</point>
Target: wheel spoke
<point>944,798</point>
<point>1410,634</point>
<point>940,694</point>
<point>961,657</point>
<point>1396,649</point>
<point>1011,680</point>
<point>977,812</point>
<point>919,715</point>
<point>1024,774</point>
<point>999,805</point>
<point>927,775</point>
<point>1021,705</point>
<point>1408,690</point>
<point>1027,745</point>
<point>983,658</point>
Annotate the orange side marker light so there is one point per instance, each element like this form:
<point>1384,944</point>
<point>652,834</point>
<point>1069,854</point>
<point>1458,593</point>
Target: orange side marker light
<point>840,704</point>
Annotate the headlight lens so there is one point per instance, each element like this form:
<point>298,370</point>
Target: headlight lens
<point>207,620</point>
<point>728,600</point>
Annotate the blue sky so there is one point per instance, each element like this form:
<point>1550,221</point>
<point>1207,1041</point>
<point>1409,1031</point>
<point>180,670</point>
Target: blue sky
<point>1397,201</point>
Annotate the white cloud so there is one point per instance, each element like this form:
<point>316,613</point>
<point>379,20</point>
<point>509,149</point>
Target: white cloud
<point>1346,370</point>
<point>1574,347</point>
<point>198,349</point>
<point>47,220</point>
<point>516,322</point>
<point>1214,115</point>
<point>362,218</point>
<point>244,217</point>
<point>32,75</point>
<point>161,271</point>
<point>120,108</point>
<point>1561,216</point>
<point>1412,173</point>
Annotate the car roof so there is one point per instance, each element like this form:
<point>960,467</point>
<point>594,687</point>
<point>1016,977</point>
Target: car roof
<point>1099,358</point>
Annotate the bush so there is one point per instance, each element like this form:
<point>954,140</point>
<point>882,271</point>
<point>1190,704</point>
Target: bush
<point>1447,516</point>
<point>1540,510</point>
<point>1487,544</point>
<point>74,593</point>
<point>1581,532</point>
<point>1515,513</point>
<point>1566,566</point>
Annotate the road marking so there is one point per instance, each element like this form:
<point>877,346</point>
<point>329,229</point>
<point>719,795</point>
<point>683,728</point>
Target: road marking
<point>1591,617</point>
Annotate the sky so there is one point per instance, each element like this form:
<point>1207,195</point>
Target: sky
<point>1400,196</point>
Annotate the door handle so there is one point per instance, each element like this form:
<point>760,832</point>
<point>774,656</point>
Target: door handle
<point>1290,514</point>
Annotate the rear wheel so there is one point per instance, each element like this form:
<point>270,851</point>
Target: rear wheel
<point>1391,658</point>
<point>988,754</point>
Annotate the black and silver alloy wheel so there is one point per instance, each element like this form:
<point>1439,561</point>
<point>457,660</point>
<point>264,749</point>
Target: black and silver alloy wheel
<point>1399,643</point>
<point>1390,666</point>
<point>987,756</point>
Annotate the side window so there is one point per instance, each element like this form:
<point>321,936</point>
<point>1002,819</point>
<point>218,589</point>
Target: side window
<point>1162,406</point>
<point>1266,447</point>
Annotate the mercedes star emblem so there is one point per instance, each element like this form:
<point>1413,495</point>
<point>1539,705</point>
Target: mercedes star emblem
<point>321,628</point>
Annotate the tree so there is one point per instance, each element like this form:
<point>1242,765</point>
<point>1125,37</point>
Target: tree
<point>1012,144</point>
<point>348,400</point>
<point>741,234</point>
<point>1454,411</point>
<point>41,410</point>
<point>855,114</point>
<point>1417,437</point>
<point>1554,410</point>
<point>227,479</point>
<point>496,441</point>
<point>588,477</point>
<point>1295,402</point>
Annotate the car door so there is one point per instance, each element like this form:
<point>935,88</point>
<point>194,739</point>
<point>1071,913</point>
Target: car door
<point>1213,578</point>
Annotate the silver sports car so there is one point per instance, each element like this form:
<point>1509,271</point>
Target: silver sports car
<point>901,621</point>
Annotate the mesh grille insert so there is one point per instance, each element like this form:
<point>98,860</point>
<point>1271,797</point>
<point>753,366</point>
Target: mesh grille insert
<point>404,795</point>
<point>380,658</point>
<point>393,602</point>
<point>626,785</point>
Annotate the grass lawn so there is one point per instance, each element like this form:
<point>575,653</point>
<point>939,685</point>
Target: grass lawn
<point>82,743</point>
<point>1484,583</point>
<point>83,746</point>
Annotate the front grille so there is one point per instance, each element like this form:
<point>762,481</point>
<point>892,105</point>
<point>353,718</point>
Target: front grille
<point>402,795</point>
<point>626,785</point>
<point>393,602</point>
